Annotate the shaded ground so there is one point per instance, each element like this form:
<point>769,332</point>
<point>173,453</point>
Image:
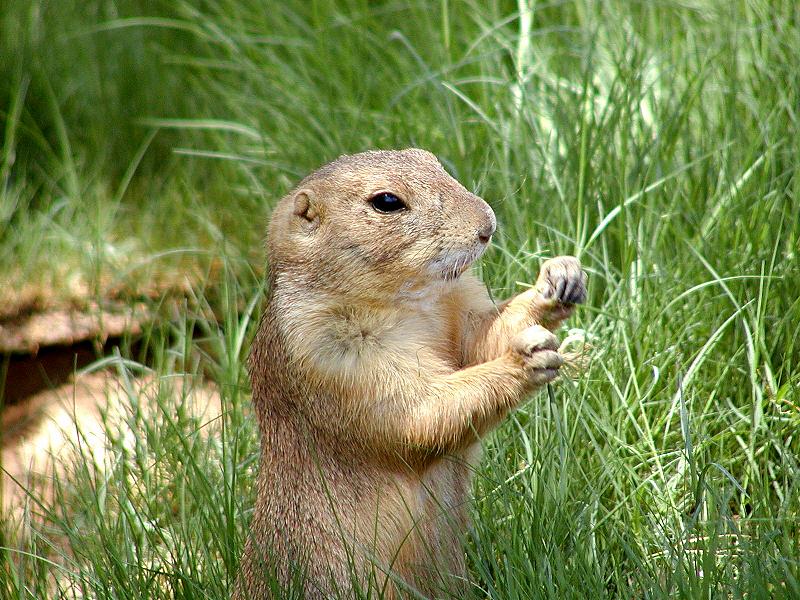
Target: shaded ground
<point>43,350</point>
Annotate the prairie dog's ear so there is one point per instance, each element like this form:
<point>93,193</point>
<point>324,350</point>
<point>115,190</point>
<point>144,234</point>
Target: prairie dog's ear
<point>305,207</point>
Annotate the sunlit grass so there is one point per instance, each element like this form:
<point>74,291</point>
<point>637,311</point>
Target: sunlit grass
<point>657,141</point>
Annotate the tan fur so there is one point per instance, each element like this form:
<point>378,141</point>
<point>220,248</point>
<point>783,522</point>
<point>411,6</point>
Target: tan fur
<point>379,363</point>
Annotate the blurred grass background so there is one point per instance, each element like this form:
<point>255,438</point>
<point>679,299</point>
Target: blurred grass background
<point>146,142</point>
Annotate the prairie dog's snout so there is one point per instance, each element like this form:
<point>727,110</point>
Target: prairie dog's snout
<point>485,233</point>
<point>468,224</point>
<point>486,230</point>
<point>468,214</point>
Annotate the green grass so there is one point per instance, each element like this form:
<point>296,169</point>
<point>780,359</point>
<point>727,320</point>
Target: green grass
<point>659,141</point>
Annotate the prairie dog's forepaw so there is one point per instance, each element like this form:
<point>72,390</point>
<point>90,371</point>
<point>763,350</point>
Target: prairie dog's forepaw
<point>561,279</point>
<point>534,339</point>
<point>538,348</point>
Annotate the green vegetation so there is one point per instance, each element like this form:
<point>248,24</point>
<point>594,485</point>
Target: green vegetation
<point>659,141</point>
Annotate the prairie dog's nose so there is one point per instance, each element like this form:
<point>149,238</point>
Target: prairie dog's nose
<point>489,227</point>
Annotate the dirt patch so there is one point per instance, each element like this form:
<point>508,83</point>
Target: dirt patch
<point>56,427</point>
<point>63,289</point>
<point>43,350</point>
<point>50,416</point>
<point>29,333</point>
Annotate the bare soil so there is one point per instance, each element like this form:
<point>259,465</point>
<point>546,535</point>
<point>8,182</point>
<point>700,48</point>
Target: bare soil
<point>49,411</point>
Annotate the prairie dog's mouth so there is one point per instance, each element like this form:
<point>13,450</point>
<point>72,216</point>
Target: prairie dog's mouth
<point>451,263</point>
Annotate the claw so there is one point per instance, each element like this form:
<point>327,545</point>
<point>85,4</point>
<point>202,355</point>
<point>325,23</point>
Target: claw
<point>561,279</point>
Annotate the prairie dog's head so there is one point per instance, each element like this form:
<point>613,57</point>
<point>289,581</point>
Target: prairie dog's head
<point>379,222</point>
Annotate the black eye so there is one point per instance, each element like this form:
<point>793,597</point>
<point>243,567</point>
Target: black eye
<point>387,203</point>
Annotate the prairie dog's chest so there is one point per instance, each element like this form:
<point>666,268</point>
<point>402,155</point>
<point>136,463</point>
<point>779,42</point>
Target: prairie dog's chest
<point>421,331</point>
<point>414,328</point>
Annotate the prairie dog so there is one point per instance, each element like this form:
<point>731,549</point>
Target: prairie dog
<point>379,363</point>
